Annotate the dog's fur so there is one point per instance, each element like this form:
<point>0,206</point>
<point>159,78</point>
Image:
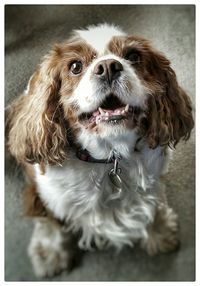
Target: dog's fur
<point>74,199</point>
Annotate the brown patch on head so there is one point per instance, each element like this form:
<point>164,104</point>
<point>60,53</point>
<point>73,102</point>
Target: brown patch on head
<point>116,45</point>
<point>147,67</point>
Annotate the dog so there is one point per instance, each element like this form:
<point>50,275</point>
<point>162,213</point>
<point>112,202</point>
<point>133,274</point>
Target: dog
<point>93,131</point>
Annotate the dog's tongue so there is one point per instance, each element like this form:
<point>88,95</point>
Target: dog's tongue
<point>107,114</point>
<point>110,112</point>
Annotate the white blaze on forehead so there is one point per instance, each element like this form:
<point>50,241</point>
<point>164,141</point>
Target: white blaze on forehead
<point>99,36</point>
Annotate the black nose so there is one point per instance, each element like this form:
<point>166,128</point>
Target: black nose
<point>108,70</point>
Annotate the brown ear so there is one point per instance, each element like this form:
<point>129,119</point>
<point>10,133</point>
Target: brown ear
<point>36,126</point>
<point>169,113</point>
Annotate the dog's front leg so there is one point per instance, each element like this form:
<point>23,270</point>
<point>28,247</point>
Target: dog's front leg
<point>163,232</point>
<point>51,248</point>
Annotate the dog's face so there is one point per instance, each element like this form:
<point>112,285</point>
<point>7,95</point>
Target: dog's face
<point>108,86</point>
<point>103,83</point>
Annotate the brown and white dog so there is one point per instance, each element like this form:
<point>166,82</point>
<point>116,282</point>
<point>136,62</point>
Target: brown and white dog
<point>92,130</point>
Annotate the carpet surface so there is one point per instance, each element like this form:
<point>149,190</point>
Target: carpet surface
<point>30,32</point>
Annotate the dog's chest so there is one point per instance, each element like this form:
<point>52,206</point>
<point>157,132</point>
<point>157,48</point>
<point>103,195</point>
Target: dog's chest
<point>80,186</point>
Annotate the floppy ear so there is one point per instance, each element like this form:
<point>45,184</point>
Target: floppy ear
<point>170,109</point>
<point>35,121</point>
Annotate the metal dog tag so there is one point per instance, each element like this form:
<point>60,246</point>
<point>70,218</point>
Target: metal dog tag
<point>116,181</point>
<point>115,178</point>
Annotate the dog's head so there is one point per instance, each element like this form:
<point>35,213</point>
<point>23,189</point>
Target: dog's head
<point>99,83</point>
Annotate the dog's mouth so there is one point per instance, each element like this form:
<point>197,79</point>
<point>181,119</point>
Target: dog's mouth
<point>111,111</point>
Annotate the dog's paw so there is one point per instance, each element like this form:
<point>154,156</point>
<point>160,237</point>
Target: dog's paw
<point>50,249</point>
<point>163,233</point>
<point>48,259</point>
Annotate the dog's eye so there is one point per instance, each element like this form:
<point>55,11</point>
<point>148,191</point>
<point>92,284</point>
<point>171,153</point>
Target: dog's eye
<point>133,56</point>
<point>76,67</point>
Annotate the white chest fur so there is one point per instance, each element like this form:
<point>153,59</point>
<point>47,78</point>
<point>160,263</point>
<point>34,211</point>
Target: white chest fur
<point>80,193</point>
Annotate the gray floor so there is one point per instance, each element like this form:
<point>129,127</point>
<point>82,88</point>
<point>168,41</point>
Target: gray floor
<point>30,31</point>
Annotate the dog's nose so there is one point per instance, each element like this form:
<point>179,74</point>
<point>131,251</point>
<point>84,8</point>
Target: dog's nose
<point>108,69</point>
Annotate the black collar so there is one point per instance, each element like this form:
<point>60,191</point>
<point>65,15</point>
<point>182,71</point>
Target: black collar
<point>84,155</point>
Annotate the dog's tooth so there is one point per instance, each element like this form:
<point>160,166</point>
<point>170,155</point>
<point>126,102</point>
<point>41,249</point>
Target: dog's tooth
<point>97,119</point>
<point>101,111</point>
<point>127,108</point>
